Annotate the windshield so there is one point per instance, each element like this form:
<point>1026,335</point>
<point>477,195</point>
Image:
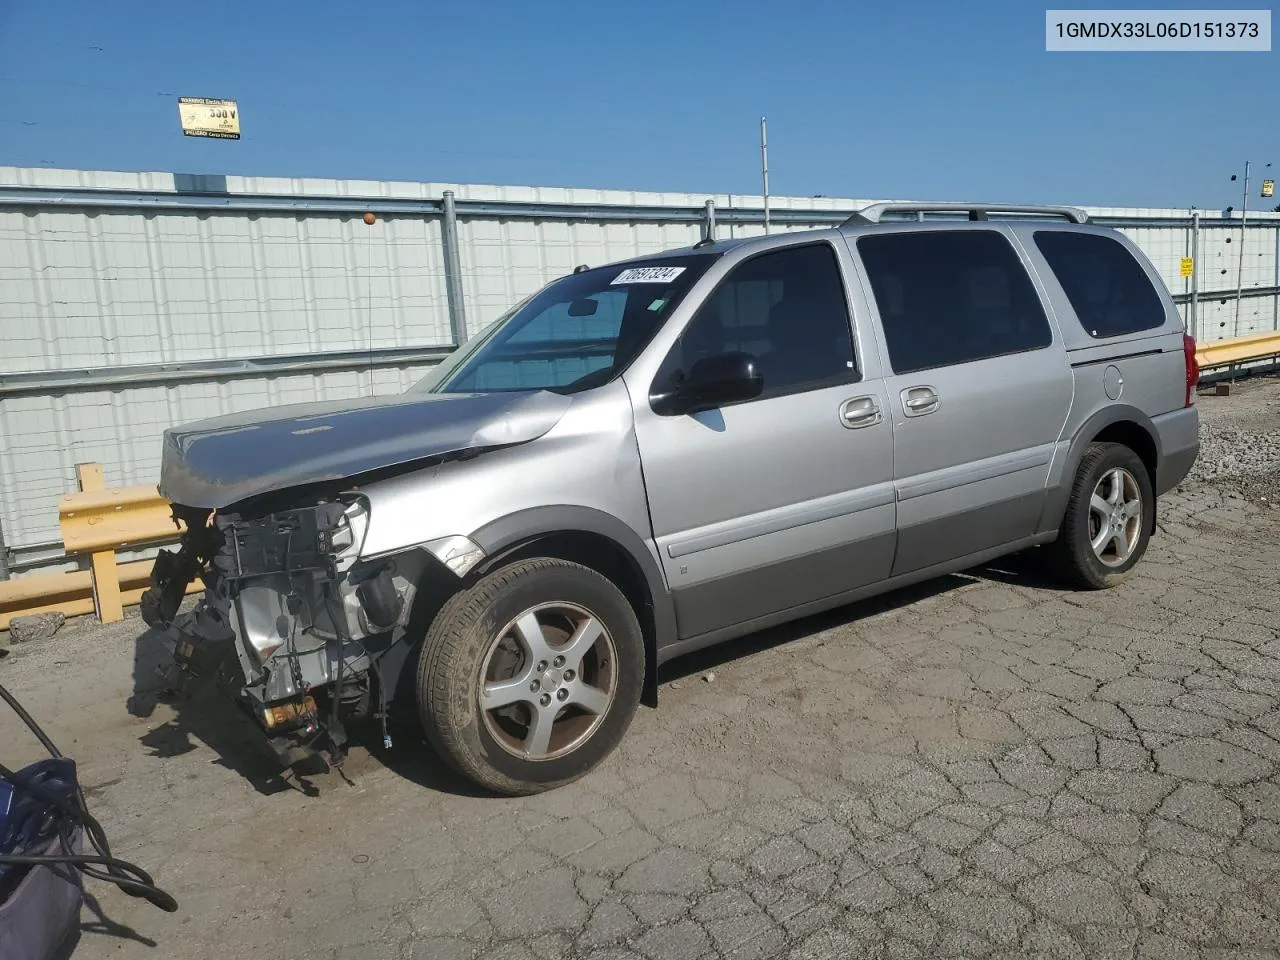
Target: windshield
<point>575,333</point>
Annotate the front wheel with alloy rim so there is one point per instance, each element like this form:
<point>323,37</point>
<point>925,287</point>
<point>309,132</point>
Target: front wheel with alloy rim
<point>1109,517</point>
<point>531,677</point>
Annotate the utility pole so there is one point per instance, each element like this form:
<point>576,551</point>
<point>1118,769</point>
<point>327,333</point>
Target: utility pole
<point>1244,216</point>
<point>764,170</point>
<point>1193,314</point>
<point>1244,213</point>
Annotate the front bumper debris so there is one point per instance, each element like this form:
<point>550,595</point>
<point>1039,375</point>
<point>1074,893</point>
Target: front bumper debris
<point>280,622</point>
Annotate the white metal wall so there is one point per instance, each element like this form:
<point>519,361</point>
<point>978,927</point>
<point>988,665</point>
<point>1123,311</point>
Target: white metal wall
<point>118,287</point>
<point>124,287</point>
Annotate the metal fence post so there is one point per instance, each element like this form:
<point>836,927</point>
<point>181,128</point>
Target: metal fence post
<point>1193,318</point>
<point>764,170</point>
<point>1244,216</point>
<point>4,555</point>
<point>709,221</point>
<point>453,271</point>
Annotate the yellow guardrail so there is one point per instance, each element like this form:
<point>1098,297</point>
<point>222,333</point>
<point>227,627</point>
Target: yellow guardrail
<point>71,593</point>
<point>1222,353</point>
<point>96,522</point>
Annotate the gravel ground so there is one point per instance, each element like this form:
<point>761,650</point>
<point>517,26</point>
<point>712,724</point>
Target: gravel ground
<point>1240,440</point>
<point>985,766</point>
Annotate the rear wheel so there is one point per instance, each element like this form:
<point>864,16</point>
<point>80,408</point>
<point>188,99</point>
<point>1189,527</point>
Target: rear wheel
<point>1108,521</point>
<point>531,677</point>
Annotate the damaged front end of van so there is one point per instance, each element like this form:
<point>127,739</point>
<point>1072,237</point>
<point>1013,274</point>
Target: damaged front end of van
<point>296,622</point>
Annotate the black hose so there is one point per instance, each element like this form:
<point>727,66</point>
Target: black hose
<point>30,722</point>
<point>143,887</point>
<point>130,878</point>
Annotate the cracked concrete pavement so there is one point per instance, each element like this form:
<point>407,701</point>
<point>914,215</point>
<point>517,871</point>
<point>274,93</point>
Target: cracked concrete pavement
<point>983,766</point>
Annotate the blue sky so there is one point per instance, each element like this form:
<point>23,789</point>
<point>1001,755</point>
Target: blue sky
<point>942,99</point>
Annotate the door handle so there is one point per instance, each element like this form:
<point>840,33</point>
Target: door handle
<point>918,401</point>
<point>860,412</point>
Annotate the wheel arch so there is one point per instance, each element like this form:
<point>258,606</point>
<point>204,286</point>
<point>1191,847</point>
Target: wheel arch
<point>1119,423</point>
<point>597,540</point>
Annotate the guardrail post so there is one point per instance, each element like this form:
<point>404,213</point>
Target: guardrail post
<point>104,576</point>
<point>4,555</point>
<point>453,270</point>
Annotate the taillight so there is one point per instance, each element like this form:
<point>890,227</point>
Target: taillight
<point>1193,366</point>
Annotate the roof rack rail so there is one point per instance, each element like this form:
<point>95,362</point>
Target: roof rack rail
<point>976,211</point>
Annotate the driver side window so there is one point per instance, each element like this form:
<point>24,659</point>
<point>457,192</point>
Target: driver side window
<point>787,309</point>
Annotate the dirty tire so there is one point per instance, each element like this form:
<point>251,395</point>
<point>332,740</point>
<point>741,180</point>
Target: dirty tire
<point>454,651</point>
<point>1073,557</point>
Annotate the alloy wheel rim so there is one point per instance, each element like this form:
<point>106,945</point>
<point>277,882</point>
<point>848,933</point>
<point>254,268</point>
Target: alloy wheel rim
<point>547,681</point>
<point>1115,517</point>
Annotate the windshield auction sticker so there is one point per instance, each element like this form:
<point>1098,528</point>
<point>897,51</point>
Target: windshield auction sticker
<point>648,275</point>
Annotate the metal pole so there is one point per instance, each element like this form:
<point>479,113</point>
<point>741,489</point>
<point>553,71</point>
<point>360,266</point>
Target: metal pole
<point>1193,312</point>
<point>1275,304</point>
<point>764,170</point>
<point>453,271</point>
<point>1244,212</point>
<point>709,224</point>
<point>4,556</point>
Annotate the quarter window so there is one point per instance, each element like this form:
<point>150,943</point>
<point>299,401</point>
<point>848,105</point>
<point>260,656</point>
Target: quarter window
<point>788,310</point>
<point>955,296</point>
<point>1108,290</point>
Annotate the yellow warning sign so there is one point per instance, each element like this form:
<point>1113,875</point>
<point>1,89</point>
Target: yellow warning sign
<point>1268,188</point>
<point>1188,266</point>
<point>202,117</point>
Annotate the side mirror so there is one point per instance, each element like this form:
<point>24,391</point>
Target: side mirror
<point>712,382</point>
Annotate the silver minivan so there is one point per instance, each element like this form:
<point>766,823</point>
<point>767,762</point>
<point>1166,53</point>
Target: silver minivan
<point>645,458</point>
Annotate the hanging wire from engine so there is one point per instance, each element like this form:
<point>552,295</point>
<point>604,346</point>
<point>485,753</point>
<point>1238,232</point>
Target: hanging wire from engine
<point>345,637</point>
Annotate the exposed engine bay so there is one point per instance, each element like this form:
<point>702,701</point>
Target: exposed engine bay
<point>291,624</point>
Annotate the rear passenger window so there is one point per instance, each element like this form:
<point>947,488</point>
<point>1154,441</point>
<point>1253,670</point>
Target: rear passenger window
<point>1107,288</point>
<point>948,297</point>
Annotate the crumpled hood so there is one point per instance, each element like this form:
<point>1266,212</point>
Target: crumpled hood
<point>217,462</point>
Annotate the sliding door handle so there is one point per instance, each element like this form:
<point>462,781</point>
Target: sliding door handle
<point>918,401</point>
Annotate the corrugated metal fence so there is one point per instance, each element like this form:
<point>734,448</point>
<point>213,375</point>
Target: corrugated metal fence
<point>131,302</point>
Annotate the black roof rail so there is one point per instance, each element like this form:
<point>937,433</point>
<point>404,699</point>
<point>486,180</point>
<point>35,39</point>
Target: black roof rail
<point>976,211</point>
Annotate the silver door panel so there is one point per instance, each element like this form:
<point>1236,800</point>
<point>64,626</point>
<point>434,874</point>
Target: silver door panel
<point>972,484</point>
<point>692,568</point>
<point>809,515</point>
<point>749,593</point>
<point>778,494</point>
